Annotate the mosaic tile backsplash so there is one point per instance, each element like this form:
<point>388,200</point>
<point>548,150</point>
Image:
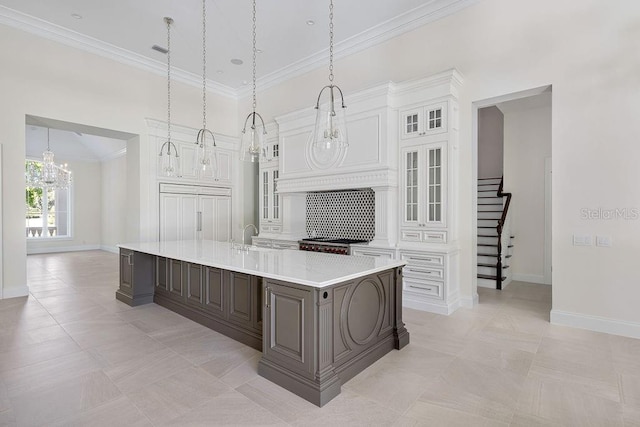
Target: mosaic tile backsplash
<point>348,214</point>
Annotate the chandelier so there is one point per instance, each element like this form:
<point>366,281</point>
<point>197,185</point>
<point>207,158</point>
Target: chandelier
<point>169,159</point>
<point>47,174</point>
<point>330,132</point>
<point>252,146</point>
<point>206,155</point>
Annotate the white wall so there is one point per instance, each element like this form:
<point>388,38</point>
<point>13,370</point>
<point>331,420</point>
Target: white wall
<point>86,215</point>
<point>585,50</point>
<point>490,142</point>
<point>527,142</point>
<point>114,202</point>
<point>47,79</point>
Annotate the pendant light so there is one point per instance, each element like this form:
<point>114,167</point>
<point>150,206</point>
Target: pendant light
<point>206,153</point>
<point>330,132</point>
<point>252,146</point>
<point>47,174</point>
<point>169,159</point>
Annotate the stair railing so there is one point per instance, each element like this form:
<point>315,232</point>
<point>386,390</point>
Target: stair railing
<point>499,229</point>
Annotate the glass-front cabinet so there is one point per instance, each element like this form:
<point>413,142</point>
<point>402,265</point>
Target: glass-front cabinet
<point>270,217</point>
<point>424,172</point>
<point>423,121</point>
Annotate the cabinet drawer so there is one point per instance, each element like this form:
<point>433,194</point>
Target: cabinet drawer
<point>411,235</point>
<point>434,236</point>
<point>418,271</point>
<point>379,253</point>
<point>423,287</point>
<point>422,259</point>
<point>283,245</point>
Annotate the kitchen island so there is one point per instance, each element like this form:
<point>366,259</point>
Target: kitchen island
<point>319,319</point>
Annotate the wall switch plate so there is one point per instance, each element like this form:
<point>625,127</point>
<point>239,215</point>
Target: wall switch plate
<point>604,241</point>
<point>582,240</point>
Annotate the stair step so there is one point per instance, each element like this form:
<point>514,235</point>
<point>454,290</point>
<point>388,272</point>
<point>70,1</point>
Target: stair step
<point>487,191</point>
<point>488,276</point>
<point>482,264</point>
<point>488,244</point>
<point>487,235</point>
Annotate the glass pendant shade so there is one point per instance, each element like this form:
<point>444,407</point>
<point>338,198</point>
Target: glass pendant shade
<point>253,145</point>
<point>206,154</point>
<point>169,160</point>
<point>330,132</point>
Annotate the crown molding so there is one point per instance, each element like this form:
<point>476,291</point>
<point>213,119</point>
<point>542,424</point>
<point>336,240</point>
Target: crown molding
<point>401,24</point>
<point>420,16</point>
<point>74,39</point>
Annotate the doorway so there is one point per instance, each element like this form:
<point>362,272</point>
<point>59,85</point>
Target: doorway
<point>526,173</point>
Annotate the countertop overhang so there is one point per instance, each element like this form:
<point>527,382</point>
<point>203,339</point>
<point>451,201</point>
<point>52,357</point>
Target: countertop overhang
<point>312,269</point>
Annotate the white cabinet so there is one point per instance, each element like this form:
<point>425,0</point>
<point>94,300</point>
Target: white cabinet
<point>270,207</point>
<point>429,280</point>
<point>365,250</point>
<point>190,212</point>
<point>274,243</point>
<point>423,120</point>
<point>190,170</point>
<point>423,193</point>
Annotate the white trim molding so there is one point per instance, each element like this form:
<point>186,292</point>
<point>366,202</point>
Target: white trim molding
<point>57,249</point>
<point>80,41</point>
<point>15,292</point>
<point>596,323</point>
<point>466,302</point>
<point>530,278</point>
<point>422,15</point>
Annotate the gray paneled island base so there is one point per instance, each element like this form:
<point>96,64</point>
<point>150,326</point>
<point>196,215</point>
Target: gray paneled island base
<point>319,319</point>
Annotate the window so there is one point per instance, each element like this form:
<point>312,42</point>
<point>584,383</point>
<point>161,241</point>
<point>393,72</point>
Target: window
<point>276,150</point>
<point>265,194</point>
<point>48,210</point>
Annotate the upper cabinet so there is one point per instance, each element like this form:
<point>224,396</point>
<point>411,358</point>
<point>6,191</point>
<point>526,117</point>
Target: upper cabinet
<point>270,218</point>
<point>184,140</point>
<point>424,199</point>
<point>423,120</point>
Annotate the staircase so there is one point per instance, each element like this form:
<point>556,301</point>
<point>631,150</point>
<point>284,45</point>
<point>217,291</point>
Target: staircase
<point>494,238</point>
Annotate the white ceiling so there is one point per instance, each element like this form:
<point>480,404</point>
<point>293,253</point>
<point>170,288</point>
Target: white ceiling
<point>69,146</point>
<point>126,30</point>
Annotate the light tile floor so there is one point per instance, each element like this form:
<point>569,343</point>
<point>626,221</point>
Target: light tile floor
<point>70,354</point>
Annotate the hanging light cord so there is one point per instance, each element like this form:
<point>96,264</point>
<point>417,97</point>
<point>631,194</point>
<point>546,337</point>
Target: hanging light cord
<point>168,21</point>
<point>48,149</point>
<point>331,41</point>
<point>254,56</point>
<point>204,64</point>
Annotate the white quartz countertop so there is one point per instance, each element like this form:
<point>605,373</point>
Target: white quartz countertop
<point>306,268</point>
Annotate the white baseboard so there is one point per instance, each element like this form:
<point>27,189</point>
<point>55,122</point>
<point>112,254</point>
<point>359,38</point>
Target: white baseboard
<point>50,250</point>
<point>14,292</point>
<point>112,249</point>
<point>469,302</point>
<point>596,323</point>
<point>530,278</point>
<point>431,307</point>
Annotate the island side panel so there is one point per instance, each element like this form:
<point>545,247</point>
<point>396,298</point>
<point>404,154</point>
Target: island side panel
<point>315,339</point>
<point>137,277</point>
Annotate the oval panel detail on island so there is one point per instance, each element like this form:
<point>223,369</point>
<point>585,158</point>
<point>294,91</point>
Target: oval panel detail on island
<point>364,308</point>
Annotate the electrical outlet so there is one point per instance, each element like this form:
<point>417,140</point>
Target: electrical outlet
<point>582,240</point>
<point>604,241</point>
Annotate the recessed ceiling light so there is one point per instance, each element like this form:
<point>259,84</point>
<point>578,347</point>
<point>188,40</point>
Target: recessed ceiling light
<point>236,61</point>
<point>311,22</point>
<point>244,82</point>
<point>76,15</point>
<point>219,71</point>
<point>159,49</point>
<point>259,50</point>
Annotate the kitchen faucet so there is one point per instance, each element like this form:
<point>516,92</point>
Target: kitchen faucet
<point>244,230</point>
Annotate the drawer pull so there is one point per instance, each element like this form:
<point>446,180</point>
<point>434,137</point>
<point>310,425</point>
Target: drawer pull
<point>417,270</point>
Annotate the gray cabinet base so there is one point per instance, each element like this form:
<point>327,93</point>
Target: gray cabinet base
<point>252,339</point>
<point>134,301</point>
<point>320,392</point>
